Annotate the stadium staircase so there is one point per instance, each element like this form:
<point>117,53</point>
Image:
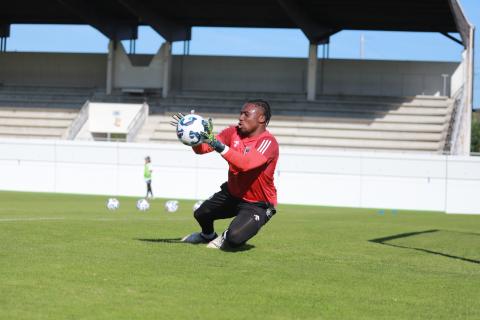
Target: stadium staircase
<point>415,124</point>
<point>39,112</point>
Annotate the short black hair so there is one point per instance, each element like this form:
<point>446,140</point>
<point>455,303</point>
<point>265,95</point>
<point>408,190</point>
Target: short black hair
<point>265,106</point>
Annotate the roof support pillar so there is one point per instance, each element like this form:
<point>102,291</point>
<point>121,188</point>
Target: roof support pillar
<point>469,91</point>
<point>169,29</point>
<point>110,66</point>
<point>312,72</point>
<point>167,68</point>
<point>111,27</point>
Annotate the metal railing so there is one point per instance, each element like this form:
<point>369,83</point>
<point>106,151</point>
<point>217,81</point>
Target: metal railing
<point>78,122</point>
<point>137,123</point>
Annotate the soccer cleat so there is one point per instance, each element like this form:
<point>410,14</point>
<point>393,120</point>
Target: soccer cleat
<point>196,237</point>
<point>218,242</point>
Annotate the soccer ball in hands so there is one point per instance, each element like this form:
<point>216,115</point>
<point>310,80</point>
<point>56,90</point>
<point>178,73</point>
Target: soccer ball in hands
<point>113,204</point>
<point>189,128</point>
<point>171,205</point>
<point>143,205</point>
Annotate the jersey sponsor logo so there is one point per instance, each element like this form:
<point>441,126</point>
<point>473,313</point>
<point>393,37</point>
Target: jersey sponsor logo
<point>235,143</point>
<point>264,146</point>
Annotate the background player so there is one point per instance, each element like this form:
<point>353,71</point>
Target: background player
<point>147,175</point>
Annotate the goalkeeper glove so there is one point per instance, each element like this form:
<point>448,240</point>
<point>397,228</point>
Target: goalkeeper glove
<point>209,137</point>
<point>177,117</point>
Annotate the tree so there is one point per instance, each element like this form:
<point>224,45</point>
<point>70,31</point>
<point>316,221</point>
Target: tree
<point>475,142</point>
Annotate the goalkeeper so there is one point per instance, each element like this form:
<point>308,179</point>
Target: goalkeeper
<point>249,196</point>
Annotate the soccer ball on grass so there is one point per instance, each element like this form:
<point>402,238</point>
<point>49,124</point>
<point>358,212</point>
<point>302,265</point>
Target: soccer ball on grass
<point>143,205</point>
<point>113,204</point>
<point>171,205</point>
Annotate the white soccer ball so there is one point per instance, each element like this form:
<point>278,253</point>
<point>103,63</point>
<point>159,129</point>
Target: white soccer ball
<point>113,204</point>
<point>197,205</point>
<point>171,205</point>
<point>143,205</point>
<point>189,128</point>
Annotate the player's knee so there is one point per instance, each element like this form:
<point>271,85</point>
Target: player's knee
<point>200,213</point>
<point>235,238</point>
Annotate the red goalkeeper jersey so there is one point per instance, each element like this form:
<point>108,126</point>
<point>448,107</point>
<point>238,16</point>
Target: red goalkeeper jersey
<point>251,163</point>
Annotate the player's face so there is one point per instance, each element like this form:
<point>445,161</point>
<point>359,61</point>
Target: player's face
<point>251,120</point>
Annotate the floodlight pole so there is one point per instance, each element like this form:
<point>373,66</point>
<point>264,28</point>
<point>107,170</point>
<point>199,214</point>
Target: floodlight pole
<point>312,72</point>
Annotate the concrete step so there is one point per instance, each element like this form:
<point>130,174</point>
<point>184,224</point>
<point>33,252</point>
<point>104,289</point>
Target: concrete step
<point>43,96</point>
<point>28,122</point>
<point>331,101</point>
<point>326,133</point>
<point>35,105</point>
<point>361,144</point>
<point>31,131</point>
<point>334,142</point>
<point>356,119</point>
<point>319,111</point>
<point>37,114</point>
<point>27,136</point>
<point>353,134</point>
<point>278,96</point>
<point>37,99</point>
<point>378,112</point>
<point>306,123</point>
<point>148,129</point>
<point>40,89</point>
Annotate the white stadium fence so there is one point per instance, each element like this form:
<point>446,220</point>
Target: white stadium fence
<point>328,178</point>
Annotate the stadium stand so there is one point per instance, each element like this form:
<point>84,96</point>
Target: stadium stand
<point>419,123</point>
<point>39,112</point>
<point>317,102</point>
<point>35,122</point>
<point>350,122</point>
<point>44,96</point>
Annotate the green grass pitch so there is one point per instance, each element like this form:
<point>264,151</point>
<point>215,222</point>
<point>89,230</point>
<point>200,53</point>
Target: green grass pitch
<point>68,257</point>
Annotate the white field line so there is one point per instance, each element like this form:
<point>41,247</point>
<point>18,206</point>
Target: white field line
<point>94,219</point>
<point>29,219</point>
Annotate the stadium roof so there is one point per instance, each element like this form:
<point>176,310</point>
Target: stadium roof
<point>173,20</point>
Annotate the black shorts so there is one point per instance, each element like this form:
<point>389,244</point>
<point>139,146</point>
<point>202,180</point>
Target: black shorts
<point>250,217</point>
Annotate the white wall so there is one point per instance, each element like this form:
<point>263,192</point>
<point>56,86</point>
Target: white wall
<point>53,69</point>
<point>334,76</point>
<point>331,178</point>
<point>223,73</point>
<point>112,117</point>
<point>384,78</point>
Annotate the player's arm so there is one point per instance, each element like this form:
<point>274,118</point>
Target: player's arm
<point>244,162</point>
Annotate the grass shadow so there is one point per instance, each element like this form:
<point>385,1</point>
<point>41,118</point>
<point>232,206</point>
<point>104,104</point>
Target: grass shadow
<point>245,247</point>
<point>384,240</point>
<point>166,240</point>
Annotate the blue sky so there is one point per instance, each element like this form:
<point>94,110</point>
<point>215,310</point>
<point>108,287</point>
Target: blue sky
<point>260,42</point>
